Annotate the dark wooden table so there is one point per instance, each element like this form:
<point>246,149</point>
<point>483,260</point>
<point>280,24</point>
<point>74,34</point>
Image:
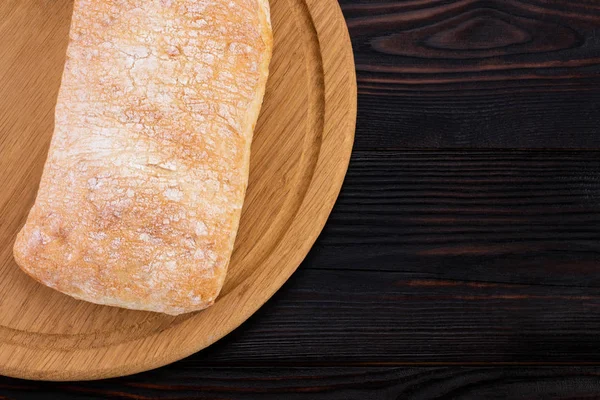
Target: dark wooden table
<point>467,232</point>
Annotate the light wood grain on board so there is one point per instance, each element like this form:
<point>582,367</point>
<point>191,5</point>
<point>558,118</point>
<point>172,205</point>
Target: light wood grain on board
<point>299,158</point>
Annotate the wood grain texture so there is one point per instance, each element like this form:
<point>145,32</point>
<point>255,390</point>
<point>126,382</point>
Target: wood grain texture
<point>408,318</point>
<point>189,381</point>
<point>497,216</point>
<point>299,158</point>
<point>476,73</point>
<point>469,256</point>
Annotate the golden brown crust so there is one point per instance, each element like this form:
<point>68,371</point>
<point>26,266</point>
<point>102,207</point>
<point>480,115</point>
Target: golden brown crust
<point>142,191</point>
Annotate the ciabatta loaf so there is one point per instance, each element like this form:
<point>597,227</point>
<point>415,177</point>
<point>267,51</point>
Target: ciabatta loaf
<point>141,194</point>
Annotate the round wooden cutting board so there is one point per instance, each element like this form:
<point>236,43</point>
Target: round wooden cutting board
<point>299,158</point>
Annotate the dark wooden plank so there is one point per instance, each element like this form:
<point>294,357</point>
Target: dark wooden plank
<point>491,216</point>
<point>529,120</point>
<point>476,73</point>
<point>185,381</point>
<point>324,316</point>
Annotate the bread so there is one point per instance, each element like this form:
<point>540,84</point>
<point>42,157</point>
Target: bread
<point>140,198</point>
